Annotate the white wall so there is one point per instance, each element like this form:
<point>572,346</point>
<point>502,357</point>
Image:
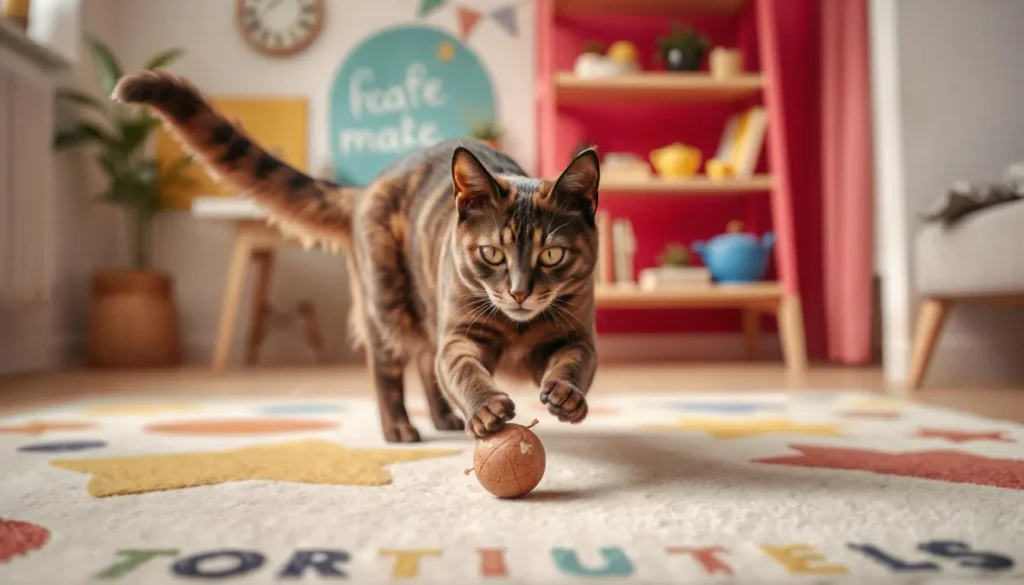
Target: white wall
<point>949,105</point>
<point>219,61</point>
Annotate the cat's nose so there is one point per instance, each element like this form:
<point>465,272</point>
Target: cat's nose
<point>519,296</point>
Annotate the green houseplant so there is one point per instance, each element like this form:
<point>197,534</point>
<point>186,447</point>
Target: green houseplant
<point>133,318</point>
<point>682,49</point>
<point>674,254</point>
<point>675,267</point>
<point>487,130</point>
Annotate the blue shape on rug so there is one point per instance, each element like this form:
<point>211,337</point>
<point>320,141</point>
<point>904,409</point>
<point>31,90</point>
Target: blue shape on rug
<point>63,446</point>
<point>303,408</point>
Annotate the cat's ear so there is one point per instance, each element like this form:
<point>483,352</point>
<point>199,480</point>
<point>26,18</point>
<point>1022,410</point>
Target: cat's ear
<point>474,186</point>
<point>577,186</point>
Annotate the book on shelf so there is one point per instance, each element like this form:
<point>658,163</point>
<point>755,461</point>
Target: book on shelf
<point>624,241</point>
<point>604,271</point>
<point>659,276</point>
<point>743,140</point>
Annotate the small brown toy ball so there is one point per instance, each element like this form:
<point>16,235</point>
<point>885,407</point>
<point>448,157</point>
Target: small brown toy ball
<point>509,463</point>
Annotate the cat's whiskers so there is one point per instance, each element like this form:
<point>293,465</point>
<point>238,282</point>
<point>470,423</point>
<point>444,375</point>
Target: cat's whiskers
<point>558,321</point>
<point>563,310</point>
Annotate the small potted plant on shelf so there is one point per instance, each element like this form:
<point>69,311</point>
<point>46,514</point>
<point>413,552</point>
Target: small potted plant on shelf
<point>133,319</point>
<point>488,131</point>
<point>674,268</point>
<point>682,49</point>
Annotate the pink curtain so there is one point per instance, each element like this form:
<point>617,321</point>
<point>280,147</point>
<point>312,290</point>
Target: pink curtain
<point>846,182</point>
<point>822,71</point>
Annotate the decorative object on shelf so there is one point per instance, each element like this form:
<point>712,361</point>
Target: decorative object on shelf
<point>622,58</point>
<point>676,160</point>
<point>674,268</point>
<point>736,257</point>
<point>487,130</point>
<point>682,49</point>
<point>624,242</point>
<point>279,28</point>
<point>719,170</point>
<point>279,320</point>
<point>740,148</point>
<point>624,166</point>
<point>725,63</point>
<point>624,52</point>
<point>132,316</point>
<point>16,11</point>
<point>605,269</point>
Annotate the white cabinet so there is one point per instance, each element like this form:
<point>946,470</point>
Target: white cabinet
<point>28,227</point>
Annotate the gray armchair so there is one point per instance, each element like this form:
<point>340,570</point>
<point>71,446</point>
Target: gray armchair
<point>969,250</point>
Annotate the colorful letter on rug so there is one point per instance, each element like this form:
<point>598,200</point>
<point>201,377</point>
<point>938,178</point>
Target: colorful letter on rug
<point>316,462</point>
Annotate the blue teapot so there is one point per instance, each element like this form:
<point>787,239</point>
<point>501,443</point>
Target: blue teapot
<point>736,257</point>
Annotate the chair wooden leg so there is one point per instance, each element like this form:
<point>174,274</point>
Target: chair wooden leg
<point>930,319</point>
<point>791,334</point>
<point>234,287</point>
<point>752,333</point>
<point>263,262</point>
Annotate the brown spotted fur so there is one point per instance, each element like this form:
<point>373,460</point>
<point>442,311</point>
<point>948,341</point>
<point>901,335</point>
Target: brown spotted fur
<point>424,291</point>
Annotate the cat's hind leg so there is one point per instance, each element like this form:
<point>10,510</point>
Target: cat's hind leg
<point>440,411</point>
<point>388,372</point>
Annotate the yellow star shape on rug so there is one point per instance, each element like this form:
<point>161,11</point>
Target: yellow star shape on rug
<point>732,429</point>
<point>310,461</point>
<point>875,403</point>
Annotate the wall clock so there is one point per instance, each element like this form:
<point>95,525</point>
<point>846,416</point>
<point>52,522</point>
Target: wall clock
<point>280,28</point>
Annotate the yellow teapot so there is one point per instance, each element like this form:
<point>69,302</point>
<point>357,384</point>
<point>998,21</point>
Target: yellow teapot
<point>676,160</point>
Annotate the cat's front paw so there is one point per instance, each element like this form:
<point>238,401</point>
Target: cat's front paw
<point>564,401</point>
<point>491,416</point>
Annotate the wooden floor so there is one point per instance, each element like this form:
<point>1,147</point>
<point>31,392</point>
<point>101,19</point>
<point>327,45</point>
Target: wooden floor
<point>28,392</point>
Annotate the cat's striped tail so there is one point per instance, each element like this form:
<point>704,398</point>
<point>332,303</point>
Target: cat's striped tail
<point>317,212</point>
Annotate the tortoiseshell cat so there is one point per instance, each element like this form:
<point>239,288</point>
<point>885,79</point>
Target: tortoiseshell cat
<point>458,261</point>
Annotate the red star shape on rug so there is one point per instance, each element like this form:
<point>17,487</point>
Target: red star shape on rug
<point>951,466</point>
<point>962,436</point>
<point>38,428</point>
<point>20,538</point>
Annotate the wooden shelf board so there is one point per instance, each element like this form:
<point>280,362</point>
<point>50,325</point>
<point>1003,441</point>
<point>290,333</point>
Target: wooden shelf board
<point>697,185</point>
<point>647,7</point>
<point>655,86</point>
<point>615,296</point>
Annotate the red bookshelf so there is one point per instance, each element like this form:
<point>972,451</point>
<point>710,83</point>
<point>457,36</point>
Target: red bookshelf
<point>640,112</point>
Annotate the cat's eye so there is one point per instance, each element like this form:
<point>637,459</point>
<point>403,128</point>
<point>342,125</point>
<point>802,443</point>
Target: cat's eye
<point>492,255</point>
<point>552,256</point>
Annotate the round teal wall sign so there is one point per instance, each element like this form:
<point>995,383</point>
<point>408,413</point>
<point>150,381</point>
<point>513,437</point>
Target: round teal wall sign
<point>400,90</point>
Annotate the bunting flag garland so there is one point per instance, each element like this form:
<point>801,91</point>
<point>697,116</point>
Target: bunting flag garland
<point>468,18</point>
<point>428,6</point>
<point>506,18</point>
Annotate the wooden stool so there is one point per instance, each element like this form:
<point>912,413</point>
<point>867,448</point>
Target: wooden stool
<point>255,244</point>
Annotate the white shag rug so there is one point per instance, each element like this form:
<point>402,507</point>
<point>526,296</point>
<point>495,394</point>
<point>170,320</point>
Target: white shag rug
<point>756,488</point>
